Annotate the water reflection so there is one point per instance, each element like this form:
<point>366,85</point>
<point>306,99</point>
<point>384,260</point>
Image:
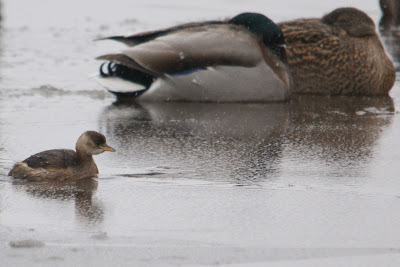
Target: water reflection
<point>340,133</point>
<point>81,192</point>
<point>246,143</point>
<point>240,142</point>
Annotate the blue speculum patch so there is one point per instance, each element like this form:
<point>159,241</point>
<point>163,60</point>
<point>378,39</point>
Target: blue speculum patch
<point>185,72</point>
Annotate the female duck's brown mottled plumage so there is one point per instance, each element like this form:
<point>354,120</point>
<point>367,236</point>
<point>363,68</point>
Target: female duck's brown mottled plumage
<point>64,164</point>
<point>340,54</point>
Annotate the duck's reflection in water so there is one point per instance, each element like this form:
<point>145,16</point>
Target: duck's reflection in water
<point>88,211</point>
<point>246,143</point>
<point>337,135</point>
<point>240,142</point>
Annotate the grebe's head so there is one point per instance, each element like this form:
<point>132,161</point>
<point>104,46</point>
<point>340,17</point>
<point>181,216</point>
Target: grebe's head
<point>92,143</point>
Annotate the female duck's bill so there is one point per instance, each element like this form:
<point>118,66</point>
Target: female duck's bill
<point>238,60</point>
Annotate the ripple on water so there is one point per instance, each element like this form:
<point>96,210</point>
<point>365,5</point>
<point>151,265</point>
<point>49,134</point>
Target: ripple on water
<point>29,243</point>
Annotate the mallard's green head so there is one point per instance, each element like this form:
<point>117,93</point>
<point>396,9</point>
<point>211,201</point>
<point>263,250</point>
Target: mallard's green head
<point>350,21</point>
<point>271,34</point>
<point>260,25</point>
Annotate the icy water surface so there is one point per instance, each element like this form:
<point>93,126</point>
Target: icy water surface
<point>310,182</point>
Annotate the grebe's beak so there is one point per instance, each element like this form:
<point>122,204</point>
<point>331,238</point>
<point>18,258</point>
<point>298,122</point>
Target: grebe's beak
<point>106,147</point>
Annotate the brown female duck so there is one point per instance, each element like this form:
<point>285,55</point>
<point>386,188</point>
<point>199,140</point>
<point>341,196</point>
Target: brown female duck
<point>64,164</point>
<point>340,54</point>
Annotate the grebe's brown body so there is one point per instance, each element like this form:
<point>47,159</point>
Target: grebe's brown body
<point>64,164</point>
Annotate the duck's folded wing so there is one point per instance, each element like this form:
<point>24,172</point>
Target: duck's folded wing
<point>138,38</point>
<point>305,31</point>
<point>56,158</point>
<point>192,48</point>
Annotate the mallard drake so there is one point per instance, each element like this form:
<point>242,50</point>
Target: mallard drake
<point>239,59</point>
<point>64,164</point>
<point>340,54</point>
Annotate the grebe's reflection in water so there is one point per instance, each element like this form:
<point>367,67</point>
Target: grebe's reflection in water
<point>88,210</point>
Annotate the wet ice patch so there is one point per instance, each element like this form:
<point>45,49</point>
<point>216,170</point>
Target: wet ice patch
<point>50,91</point>
<point>29,243</point>
<point>337,112</point>
<point>374,111</point>
<point>100,236</point>
<point>147,174</point>
<point>379,111</point>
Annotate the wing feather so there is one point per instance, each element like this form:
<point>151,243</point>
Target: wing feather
<point>142,37</point>
<point>305,31</point>
<point>56,158</point>
<point>191,48</point>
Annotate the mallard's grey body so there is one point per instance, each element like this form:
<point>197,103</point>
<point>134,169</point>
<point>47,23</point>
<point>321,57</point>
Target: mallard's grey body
<point>241,59</point>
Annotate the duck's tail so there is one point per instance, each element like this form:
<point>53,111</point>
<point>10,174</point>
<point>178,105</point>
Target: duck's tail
<point>123,81</point>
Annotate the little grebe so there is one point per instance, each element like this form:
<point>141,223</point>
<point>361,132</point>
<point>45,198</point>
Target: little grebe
<point>64,164</point>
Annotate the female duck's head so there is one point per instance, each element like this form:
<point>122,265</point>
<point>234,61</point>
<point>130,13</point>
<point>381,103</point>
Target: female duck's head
<point>350,21</point>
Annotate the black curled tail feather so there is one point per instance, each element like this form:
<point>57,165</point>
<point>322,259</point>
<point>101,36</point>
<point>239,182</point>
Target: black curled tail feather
<point>126,73</point>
